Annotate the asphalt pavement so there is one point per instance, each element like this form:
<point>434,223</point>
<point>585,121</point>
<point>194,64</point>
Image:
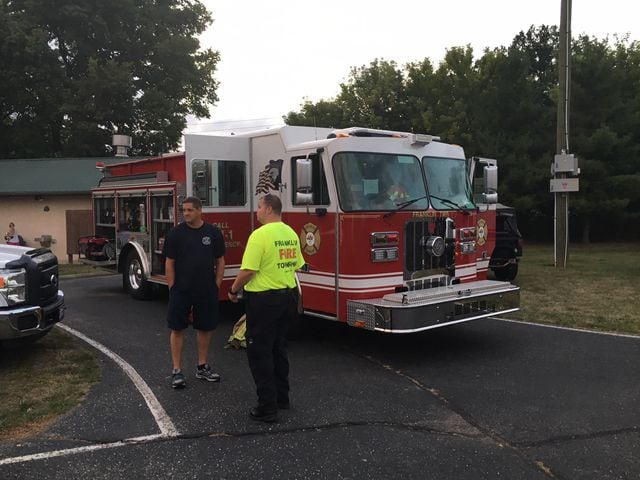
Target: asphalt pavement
<point>484,400</point>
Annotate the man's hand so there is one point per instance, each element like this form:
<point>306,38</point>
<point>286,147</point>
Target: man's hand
<point>240,281</point>
<point>233,296</point>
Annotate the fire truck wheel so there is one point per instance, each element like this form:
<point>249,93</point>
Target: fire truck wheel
<point>133,278</point>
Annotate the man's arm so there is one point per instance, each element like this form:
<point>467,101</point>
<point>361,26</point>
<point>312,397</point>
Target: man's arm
<point>170,271</point>
<point>219,265</point>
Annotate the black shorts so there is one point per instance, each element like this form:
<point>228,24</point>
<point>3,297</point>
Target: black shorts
<point>205,310</point>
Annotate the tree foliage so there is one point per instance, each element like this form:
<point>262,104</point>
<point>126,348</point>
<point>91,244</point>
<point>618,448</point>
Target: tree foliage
<point>77,71</point>
<point>503,105</point>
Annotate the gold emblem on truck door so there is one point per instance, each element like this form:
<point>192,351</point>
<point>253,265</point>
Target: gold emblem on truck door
<point>310,239</point>
<point>482,231</point>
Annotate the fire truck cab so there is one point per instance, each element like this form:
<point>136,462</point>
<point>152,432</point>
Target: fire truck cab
<point>391,235</point>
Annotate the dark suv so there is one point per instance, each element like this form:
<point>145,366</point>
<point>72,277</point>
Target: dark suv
<point>508,250</point>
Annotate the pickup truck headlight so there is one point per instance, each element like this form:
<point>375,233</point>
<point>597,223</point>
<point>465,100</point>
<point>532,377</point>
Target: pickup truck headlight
<point>12,286</point>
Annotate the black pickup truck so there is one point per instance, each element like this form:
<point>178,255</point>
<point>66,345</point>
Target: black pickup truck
<point>30,302</point>
<point>508,250</point>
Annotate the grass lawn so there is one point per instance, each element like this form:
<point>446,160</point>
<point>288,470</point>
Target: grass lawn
<point>69,269</point>
<point>598,290</point>
<point>41,381</point>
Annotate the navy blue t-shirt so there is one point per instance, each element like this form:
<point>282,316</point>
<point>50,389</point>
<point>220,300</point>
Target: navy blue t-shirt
<point>195,251</point>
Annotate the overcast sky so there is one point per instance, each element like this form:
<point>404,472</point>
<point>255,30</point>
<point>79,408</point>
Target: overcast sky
<point>274,54</point>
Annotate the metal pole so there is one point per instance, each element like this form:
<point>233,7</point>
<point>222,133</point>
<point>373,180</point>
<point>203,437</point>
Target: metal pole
<point>561,199</point>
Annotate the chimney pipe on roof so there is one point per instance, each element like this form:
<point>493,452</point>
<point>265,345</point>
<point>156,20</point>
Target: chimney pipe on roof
<point>121,144</point>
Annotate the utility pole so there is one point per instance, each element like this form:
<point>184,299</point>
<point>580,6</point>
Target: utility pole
<point>561,185</point>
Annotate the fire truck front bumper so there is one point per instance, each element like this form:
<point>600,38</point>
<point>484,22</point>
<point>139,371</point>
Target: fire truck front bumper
<point>419,310</point>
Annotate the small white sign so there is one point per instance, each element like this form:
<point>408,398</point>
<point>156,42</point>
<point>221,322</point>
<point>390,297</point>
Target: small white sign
<point>559,185</point>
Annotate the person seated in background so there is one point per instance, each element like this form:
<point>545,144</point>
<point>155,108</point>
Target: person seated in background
<point>12,237</point>
<point>397,193</point>
<point>380,201</point>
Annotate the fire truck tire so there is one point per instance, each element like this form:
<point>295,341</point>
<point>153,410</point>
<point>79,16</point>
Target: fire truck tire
<point>508,273</point>
<point>133,278</point>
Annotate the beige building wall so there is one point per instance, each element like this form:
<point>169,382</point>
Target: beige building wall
<point>41,215</point>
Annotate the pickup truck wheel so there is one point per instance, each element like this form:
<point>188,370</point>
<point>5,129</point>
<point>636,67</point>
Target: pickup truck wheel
<point>133,278</point>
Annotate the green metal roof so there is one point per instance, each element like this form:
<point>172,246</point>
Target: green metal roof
<point>52,175</point>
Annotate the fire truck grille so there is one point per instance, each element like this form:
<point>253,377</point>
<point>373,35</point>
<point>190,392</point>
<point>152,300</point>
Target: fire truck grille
<point>418,257</point>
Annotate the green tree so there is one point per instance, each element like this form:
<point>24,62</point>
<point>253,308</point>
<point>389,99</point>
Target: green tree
<point>325,113</point>
<point>77,71</point>
<point>503,105</point>
<point>605,132</point>
<point>372,97</point>
<point>515,121</point>
<point>450,111</point>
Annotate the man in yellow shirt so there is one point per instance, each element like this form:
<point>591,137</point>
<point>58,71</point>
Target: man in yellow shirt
<point>267,274</point>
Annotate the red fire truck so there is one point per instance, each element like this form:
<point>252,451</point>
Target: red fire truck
<point>390,231</point>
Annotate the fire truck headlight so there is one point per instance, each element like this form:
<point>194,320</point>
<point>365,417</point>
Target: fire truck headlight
<point>385,254</point>
<point>467,247</point>
<point>434,246</point>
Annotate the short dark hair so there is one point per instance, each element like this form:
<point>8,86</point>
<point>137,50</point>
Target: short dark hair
<point>195,201</point>
<point>274,202</point>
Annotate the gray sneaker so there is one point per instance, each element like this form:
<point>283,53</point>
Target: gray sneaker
<point>207,374</point>
<point>177,379</point>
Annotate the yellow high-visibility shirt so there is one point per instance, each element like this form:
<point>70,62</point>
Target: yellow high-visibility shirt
<point>273,252</point>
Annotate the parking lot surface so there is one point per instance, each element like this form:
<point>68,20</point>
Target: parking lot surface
<point>484,400</point>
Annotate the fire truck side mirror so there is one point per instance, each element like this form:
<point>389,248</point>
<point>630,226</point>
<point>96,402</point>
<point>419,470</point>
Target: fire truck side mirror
<point>490,174</point>
<point>304,181</point>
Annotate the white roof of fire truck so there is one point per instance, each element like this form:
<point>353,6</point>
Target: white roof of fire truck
<point>301,138</point>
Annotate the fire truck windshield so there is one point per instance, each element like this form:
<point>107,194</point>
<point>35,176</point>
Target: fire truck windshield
<point>448,183</point>
<point>378,181</point>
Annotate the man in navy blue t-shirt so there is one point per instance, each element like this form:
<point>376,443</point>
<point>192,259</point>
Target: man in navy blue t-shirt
<point>194,266</point>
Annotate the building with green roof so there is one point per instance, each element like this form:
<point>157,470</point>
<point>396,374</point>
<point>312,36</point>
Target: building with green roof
<point>50,198</point>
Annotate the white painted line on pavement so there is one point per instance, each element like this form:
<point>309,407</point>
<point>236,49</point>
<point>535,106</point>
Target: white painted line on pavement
<point>559,327</point>
<point>166,426</point>
<point>73,451</point>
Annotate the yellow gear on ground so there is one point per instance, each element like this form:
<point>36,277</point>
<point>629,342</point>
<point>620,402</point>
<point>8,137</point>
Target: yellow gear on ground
<point>238,339</point>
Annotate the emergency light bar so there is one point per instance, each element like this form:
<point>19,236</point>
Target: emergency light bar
<point>422,139</point>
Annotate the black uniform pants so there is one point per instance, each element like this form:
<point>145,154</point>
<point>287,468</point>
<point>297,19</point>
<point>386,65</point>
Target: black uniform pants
<point>268,320</point>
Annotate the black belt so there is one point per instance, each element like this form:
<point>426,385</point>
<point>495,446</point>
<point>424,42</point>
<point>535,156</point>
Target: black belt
<point>268,292</point>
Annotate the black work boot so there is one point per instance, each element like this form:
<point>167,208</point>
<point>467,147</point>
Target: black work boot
<point>262,414</point>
